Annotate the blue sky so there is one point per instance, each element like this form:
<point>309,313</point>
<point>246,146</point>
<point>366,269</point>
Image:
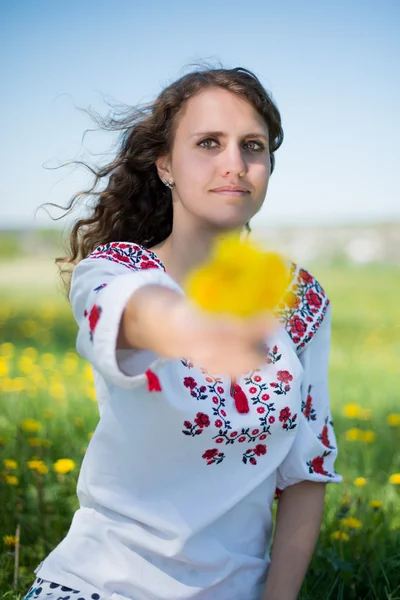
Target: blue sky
<point>332,67</point>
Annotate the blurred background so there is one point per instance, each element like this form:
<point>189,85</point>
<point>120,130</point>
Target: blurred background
<point>332,204</point>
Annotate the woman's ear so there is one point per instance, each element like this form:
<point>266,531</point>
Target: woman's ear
<point>163,168</point>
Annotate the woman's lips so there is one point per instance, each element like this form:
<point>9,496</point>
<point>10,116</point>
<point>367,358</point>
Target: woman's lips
<point>234,193</point>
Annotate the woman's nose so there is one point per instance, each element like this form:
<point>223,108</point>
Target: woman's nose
<point>233,161</point>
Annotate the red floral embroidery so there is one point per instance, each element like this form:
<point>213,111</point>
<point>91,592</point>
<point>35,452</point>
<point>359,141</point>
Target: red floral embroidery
<point>133,256</point>
<point>251,453</point>
<point>93,319</point>
<point>278,493</point>
<point>303,317</point>
<point>153,383</point>
<point>307,407</point>
<point>273,356</point>
<point>316,465</point>
<point>285,417</point>
<point>283,386</point>
<point>324,435</point>
<point>213,456</point>
<point>202,420</point>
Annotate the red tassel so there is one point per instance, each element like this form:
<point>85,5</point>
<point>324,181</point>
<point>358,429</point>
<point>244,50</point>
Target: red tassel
<point>241,403</point>
<point>153,383</point>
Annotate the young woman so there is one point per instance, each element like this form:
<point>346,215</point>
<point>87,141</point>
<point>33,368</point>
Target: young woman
<point>202,418</point>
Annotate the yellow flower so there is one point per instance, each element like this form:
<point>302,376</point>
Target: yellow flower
<point>77,421</point>
<point>39,466</point>
<point>26,365</point>
<point>7,350</point>
<point>375,504</point>
<point>90,435</point>
<point>351,523</point>
<point>64,465</point>
<point>360,481</point>
<point>57,389</point>
<point>48,361</point>
<point>4,368</point>
<point>30,425</point>
<point>368,436</point>
<point>30,352</point>
<point>353,434</point>
<point>351,410</point>
<point>10,464</point>
<point>395,479</point>
<point>394,419</point>
<point>340,535</point>
<point>11,479</point>
<point>240,278</point>
<point>10,540</point>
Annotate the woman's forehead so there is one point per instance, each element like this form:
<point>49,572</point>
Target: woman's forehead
<point>219,110</point>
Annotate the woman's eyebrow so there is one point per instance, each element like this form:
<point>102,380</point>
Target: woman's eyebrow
<point>223,134</point>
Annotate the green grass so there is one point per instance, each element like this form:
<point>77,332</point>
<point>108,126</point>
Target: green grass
<point>364,369</point>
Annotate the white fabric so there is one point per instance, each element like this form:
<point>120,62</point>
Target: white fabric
<point>157,522</point>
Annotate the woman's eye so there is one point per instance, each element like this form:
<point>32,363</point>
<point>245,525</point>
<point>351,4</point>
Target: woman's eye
<point>207,142</point>
<point>260,147</point>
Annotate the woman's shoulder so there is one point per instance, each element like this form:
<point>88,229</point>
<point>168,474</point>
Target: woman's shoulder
<point>304,306</point>
<point>132,255</point>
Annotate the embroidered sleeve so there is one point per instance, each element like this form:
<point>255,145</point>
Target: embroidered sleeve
<point>314,450</point>
<point>101,286</point>
<point>304,307</point>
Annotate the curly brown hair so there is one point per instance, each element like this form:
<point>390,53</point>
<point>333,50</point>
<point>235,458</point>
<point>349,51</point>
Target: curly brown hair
<point>135,206</point>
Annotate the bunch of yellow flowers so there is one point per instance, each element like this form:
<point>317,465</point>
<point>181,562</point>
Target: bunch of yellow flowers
<point>240,278</point>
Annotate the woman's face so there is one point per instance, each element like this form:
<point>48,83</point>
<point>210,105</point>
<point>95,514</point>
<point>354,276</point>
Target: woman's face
<point>221,142</point>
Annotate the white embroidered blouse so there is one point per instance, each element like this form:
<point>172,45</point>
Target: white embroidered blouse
<point>177,483</point>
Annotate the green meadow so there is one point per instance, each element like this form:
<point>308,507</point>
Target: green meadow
<point>48,413</point>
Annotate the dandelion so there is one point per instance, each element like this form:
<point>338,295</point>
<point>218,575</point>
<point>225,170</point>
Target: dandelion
<point>90,435</point>
<point>26,365</point>
<point>395,479</point>
<point>30,352</point>
<point>77,421</point>
<point>39,466</point>
<point>64,465</point>
<point>30,425</point>
<point>340,535</point>
<point>7,350</point>
<point>353,435</point>
<point>10,464</point>
<point>351,523</point>
<point>393,419</point>
<point>10,540</point>
<point>375,504</point>
<point>368,436</point>
<point>11,479</point>
<point>360,482</point>
<point>352,410</point>
<point>4,367</point>
<point>48,361</point>
<point>223,283</point>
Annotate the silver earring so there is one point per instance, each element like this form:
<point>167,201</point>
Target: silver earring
<point>169,184</point>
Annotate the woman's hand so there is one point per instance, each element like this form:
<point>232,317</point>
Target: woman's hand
<point>165,322</point>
